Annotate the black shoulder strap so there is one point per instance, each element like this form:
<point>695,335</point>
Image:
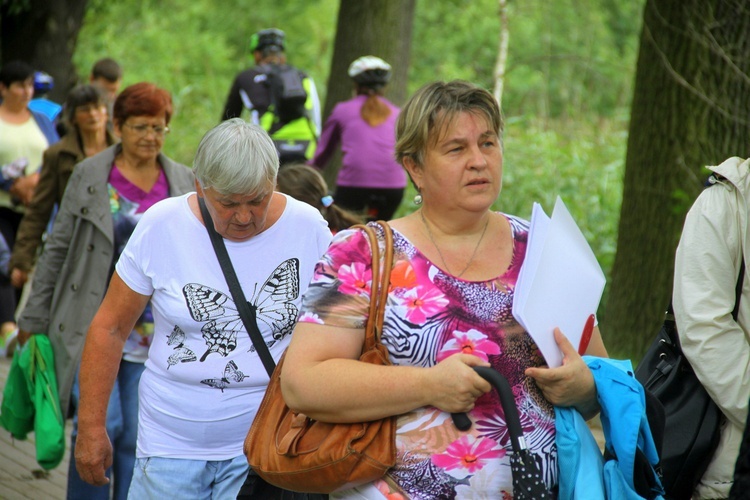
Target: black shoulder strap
<point>246,311</point>
<point>738,290</point>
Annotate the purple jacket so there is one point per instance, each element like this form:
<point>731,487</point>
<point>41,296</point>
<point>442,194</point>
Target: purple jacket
<point>368,152</point>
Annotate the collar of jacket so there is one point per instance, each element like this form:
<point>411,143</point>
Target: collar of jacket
<point>94,204</point>
<point>735,170</point>
<point>72,144</point>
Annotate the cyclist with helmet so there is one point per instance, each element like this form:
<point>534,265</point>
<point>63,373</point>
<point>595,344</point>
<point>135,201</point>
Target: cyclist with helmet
<point>370,179</point>
<point>294,134</point>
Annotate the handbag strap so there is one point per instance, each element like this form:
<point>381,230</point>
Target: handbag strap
<point>245,310</point>
<point>738,291</point>
<point>381,279</point>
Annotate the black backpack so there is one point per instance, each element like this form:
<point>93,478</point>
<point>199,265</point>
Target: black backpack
<point>287,94</point>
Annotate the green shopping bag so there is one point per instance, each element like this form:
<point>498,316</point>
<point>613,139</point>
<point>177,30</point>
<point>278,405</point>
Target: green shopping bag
<point>17,412</point>
<point>30,401</point>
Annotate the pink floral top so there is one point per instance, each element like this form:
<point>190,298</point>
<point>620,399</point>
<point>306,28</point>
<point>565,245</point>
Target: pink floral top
<point>431,315</point>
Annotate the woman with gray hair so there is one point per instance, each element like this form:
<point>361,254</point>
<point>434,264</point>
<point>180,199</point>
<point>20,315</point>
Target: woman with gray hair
<point>203,380</point>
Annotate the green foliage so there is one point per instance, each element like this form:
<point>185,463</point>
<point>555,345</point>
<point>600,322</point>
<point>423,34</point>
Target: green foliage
<point>567,92</point>
<point>570,59</point>
<point>582,163</point>
<point>566,59</point>
<point>194,49</point>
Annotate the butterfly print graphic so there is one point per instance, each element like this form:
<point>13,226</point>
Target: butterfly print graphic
<point>272,304</point>
<point>231,373</point>
<point>182,354</point>
<point>177,337</point>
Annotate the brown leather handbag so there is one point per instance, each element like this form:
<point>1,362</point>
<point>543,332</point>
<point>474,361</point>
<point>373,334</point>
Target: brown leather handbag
<point>295,452</point>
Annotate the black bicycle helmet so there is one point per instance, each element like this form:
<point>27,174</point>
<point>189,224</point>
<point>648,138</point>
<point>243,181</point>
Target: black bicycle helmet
<point>370,71</point>
<point>266,38</point>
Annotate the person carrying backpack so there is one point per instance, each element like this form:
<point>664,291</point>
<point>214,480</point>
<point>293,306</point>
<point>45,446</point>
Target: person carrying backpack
<point>279,97</point>
<point>714,243</point>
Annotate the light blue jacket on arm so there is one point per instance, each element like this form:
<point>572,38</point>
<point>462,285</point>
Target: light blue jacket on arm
<point>583,470</point>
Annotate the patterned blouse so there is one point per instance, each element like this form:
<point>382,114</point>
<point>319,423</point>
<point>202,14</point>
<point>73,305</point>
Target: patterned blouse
<point>127,203</point>
<point>431,315</point>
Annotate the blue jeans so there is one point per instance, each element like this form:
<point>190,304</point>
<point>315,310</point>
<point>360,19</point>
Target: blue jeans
<point>161,478</point>
<point>122,428</point>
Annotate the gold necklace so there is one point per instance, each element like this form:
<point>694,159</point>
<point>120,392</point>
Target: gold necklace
<point>473,255</point>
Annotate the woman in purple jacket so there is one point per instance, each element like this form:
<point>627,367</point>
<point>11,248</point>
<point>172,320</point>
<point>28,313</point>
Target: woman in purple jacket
<point>370,179</point>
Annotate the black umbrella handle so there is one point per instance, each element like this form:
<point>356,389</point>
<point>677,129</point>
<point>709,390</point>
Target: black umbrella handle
<point>508,402</point>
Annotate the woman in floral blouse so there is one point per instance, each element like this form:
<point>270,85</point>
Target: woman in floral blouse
<point>449,308</point>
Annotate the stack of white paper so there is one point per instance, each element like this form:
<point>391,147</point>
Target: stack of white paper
<point>560,283</point>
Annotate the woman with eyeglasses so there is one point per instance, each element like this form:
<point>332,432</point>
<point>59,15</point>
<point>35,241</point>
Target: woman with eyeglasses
<point>104,199</point>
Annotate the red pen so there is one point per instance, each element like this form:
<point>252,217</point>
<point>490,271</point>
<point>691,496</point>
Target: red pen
<point>588,329</point>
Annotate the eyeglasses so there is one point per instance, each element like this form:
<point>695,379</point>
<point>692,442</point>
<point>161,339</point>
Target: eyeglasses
<point>143,129</point>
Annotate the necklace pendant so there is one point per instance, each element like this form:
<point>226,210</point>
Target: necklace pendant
<point>442,259</point>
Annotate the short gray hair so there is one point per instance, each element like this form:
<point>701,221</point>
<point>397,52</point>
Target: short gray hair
<point>236,157</point>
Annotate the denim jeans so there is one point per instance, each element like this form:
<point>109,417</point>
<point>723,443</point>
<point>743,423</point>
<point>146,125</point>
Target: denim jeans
<point>161,478</point>
<point>122,428</point>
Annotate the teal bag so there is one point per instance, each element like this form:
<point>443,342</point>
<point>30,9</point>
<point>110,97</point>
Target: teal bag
<point>31,402</point>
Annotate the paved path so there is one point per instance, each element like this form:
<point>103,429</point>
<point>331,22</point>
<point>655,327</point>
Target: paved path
<point>21,476</point>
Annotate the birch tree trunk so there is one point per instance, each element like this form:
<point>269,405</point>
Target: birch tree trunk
<point>502,52</point>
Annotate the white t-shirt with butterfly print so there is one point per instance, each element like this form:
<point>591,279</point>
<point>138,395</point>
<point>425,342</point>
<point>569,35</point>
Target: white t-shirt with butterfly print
<point>203,380</point>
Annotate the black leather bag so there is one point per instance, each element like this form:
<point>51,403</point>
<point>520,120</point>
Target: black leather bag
<point>692,420</point>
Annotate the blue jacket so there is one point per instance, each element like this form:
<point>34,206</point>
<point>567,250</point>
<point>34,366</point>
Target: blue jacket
<point>623,415</point>
<point>46,126</point>
<point>48,108</point>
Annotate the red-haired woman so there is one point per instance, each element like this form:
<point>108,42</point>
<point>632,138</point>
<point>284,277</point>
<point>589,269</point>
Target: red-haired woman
<point>103,201</point>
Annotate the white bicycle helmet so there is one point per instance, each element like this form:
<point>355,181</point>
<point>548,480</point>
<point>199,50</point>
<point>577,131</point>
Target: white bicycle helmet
<point>370,70</point>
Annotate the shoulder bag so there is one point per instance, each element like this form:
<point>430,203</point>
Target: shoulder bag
<point>295,452</point>
<point>692,421</point>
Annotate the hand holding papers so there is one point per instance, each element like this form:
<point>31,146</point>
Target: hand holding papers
<point>560,283</point>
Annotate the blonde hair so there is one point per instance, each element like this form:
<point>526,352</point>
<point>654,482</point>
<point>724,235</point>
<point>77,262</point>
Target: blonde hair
<point>374,111</point>
<point>432,108</point>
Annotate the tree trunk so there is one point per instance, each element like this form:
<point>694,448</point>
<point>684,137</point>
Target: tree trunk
<point>381,28</point>
<point>502,52</point>
<point>43,34</point>
<point>690,109</point>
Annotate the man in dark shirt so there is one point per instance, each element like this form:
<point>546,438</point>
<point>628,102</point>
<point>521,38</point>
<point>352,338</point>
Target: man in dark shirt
<point>295,139</point>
